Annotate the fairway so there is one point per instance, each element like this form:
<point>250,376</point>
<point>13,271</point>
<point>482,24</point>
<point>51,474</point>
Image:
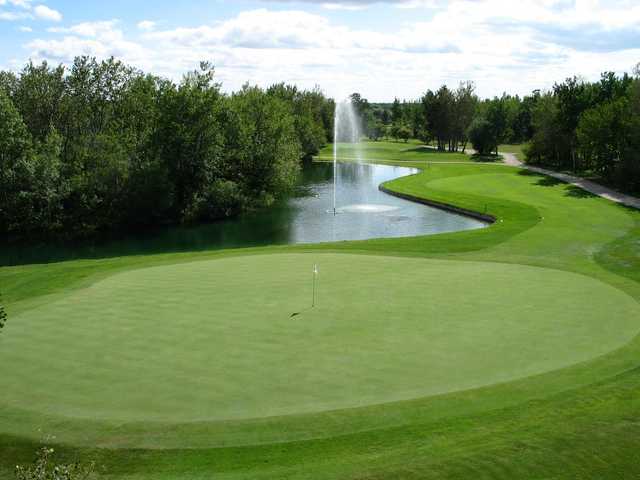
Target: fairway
<point>216,339</point>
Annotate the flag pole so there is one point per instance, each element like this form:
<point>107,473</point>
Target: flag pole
<point>315,274</point>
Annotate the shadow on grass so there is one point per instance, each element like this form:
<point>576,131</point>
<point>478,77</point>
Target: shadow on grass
<point>295,314</point>
<point>577,192</point>
<point>547,181</point>
<point>543,180</point>
<point>528,173</point>
<point>427,150</point>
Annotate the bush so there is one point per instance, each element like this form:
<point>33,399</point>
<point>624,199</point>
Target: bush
<point>43,468</point>
<point>222,199</point>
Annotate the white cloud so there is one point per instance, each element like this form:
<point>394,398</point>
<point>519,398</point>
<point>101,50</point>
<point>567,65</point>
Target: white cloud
<point>343,6</point>
<point>66,49</point>
<point>13,15</point>
<point>100,39</point>
<point>264,29</point>
<point>25,4</point>
<point>146,25</point>
<point>17,10</point>
<point>26,29</point>
<point>106,29</point>
<point>501,45</point>
<point>359,4</point>
<point>46,13</point>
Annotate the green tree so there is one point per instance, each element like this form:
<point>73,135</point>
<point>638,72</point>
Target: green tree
<point>16,169</point>
<point>496,115</point>
<point>375,129</point>
<point>547,145</point>
<point>385,116</point>
<point>396,112</point>
<point>415,118</point>
<point>394,131</point>
<point>361,104</point>
<point>602,135</point>
<point>482,136</point>
<point>189,137</point>
<point>39,97</point>
<point>465,104</point>
<point>102,147</point>
<point>307,109</point>
<point>574,97</point>
<point>261,139</point>
<point>520,122</point>
<point>404,133</point>
<point>146,201</point>
<point>439,116</point>
<point>9,83</point>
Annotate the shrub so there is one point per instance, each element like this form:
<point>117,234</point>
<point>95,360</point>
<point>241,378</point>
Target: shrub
<point>43,468</point>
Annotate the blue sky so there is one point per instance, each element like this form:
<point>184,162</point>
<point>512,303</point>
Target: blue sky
<point>380,48</point>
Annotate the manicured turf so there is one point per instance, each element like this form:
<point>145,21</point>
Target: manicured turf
<point>573,321</point>
<point>383,150</point>
<point>215,340</point>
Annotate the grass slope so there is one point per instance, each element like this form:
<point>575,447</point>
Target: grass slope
<point>578,421</point>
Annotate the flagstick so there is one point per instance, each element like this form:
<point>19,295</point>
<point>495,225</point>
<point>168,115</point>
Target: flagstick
<point>315,274</point>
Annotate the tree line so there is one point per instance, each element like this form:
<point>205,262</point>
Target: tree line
<point>101,146</point>
<point>450,119</point>
<point>591,127</point>
<point>587,127</point>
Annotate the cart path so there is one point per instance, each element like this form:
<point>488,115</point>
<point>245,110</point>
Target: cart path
<point>588,185</point>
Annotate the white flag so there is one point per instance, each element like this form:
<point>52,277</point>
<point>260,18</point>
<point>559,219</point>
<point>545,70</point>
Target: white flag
<point>315,268</point>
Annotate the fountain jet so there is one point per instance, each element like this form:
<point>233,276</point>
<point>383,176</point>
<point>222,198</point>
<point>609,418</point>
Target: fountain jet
<point>346,129</point>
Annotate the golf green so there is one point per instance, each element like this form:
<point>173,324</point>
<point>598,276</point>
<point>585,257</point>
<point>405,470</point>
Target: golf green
<point>237,338</point>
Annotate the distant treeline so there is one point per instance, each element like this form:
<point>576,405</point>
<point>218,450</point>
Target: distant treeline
<point>589,127</point>
<point>102,146</point>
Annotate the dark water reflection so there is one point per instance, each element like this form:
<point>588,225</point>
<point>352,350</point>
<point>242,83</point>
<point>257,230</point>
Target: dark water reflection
<point>302,219</point>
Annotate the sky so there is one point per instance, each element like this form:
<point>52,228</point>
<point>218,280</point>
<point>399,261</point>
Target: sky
<point>381,49</point>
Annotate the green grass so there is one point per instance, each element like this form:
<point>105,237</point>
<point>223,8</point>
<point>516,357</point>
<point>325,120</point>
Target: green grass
<point>400,151</point>
<point>215,340</point>
<point>539,310</point>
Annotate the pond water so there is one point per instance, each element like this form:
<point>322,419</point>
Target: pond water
<point>363,212</point>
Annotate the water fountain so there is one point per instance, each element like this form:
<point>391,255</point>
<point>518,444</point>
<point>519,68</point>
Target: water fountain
<point>346,129</point>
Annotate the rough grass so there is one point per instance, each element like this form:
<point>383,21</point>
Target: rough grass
<point>578,421</point>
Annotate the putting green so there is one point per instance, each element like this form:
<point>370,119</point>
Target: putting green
<point>216,339</point>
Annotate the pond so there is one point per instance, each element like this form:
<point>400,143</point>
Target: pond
<point>363,212</point>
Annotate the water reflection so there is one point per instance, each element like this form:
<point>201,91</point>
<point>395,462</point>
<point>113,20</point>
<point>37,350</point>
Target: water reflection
<point>366,213</point>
